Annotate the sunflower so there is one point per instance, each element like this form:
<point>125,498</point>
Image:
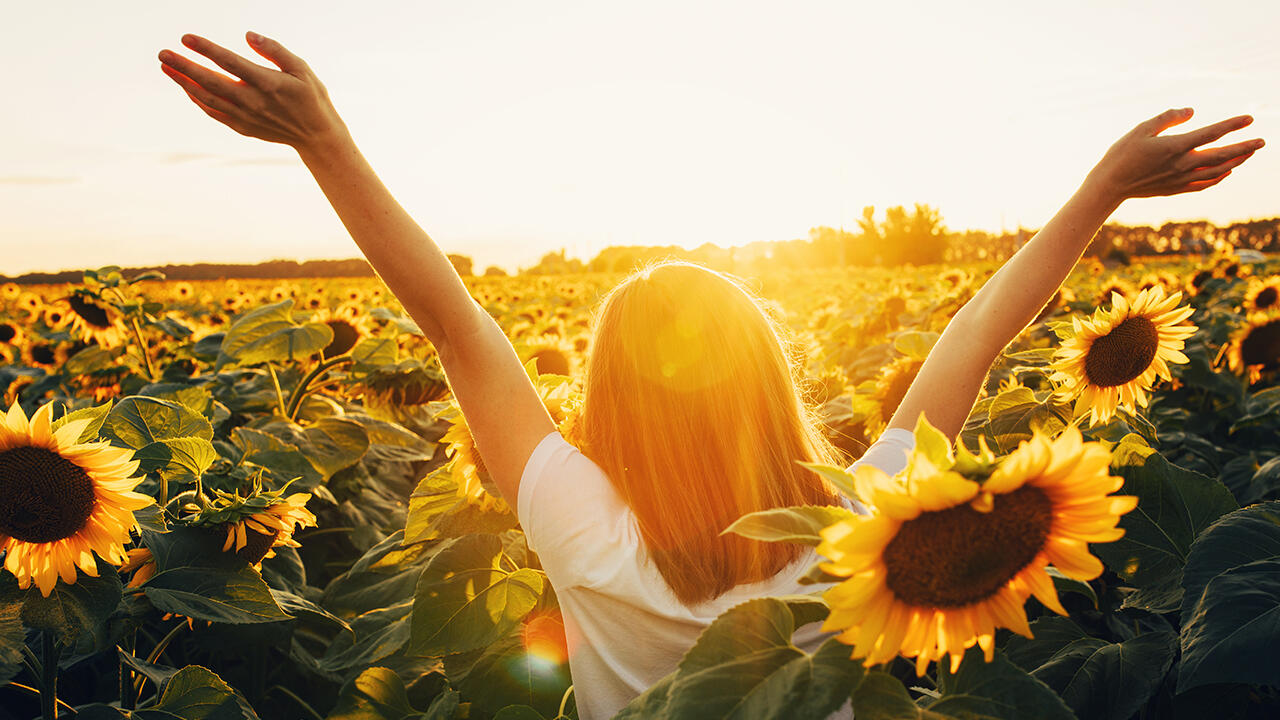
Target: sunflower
<point>1113,286</point>
<point>142,564</point>
<point>96,321</point>
<point>1262,295</point>
<point>11,333</point>
<point>56,316</point>
<point>348,325</point>
<point>890,387</point>
<point>1113,359</point>
<point>62,501</point>
<point>256,536</point>
<point>183,291</point>
<point>10,291</point>
<point>955,547</point>
<point>554,356</point>
<point>30,303</point>
<point>1255,348</point>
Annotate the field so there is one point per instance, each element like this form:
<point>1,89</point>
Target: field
<point>324,541</point>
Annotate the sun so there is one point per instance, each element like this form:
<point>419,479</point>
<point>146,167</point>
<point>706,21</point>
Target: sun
<point>956,544</point>
<point>61,500</point>
<point>1112,359</point>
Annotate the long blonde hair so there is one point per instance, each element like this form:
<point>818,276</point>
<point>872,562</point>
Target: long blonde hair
<point>691,408</point>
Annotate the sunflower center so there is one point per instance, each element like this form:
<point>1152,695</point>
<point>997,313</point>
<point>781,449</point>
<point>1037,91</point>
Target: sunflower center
<point>1266,297</point>
<point>1262,345</point>
<point>7,332</point>
<point>959,556</point>
<point>256,545</point>
<point>344,338</point>
<point>551,361</point>
<point>91,313</point>
<point>43,496</point>
<point>1122,354</point>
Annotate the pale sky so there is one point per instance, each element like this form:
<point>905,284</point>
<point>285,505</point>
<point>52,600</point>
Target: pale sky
<point>509,129</point>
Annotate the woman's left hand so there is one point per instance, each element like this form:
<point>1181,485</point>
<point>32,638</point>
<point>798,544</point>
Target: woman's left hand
<point>288,105</point>
<point>1145,163</point>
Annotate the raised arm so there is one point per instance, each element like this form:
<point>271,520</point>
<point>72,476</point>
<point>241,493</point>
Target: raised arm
<point>1141,164</point>
<point>292,107</point>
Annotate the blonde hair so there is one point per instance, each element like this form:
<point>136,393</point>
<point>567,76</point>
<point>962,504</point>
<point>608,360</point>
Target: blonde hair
<point>691,408</point>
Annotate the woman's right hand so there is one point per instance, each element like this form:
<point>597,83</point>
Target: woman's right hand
<point>288,105</point>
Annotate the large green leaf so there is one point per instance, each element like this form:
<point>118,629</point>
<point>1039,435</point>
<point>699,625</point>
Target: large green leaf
<point>801,524</point>
<point>881,696</point>
<point>335,443</point>
<point>506,673</point>
<point>197,693</point>
<point>282,461</point>
<point>745,666</point>
<point>996,689</point>
<point>391,441</point>
<point>376,694</point>
<point>1110,681</point>
<point>1174,506</point>
<point>96,415</point>
<point>466,599</point>
<point>1015,414</point>
<point>177,457</point>
<point>224,595</point>
<point>269,334</point>
<point>78,612</point>
<point>375,635</point>
<point>138,421</point>
<point>1050,634</point>
<point>1239,538</point>
<point>1234,629</point>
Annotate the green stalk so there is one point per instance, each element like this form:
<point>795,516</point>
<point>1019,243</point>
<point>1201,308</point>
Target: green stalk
<point>142,349</point>
<point>32,691</point>
<point>49,683</point>
<point>300,392</point>
<point>289,693</point>
<point>276,382</point>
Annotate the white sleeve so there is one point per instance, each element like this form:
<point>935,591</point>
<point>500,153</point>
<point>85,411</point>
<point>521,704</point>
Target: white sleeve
<point>572,516</point>
<point>889,452</point>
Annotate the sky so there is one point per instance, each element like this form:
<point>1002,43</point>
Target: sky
<point>510,129</point>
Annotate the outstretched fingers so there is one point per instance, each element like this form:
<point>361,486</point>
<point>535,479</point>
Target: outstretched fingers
<point>1214,156</point>
<point>1209,133</point>
<point>278,54</point>
<point>1213,171</point>
<point>198,93</point>
<point>213,82</point>
<point>227,60</point>
<point>1166,120</point>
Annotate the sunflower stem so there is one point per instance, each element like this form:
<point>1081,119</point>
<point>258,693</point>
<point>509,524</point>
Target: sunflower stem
<point>142,348</point>
<point>49,683</point>
<point>126,674</point>
<point>32,691</point>
<point>164,642</point>
<point>289,693</point>
<point>300,393</point>
<point>275,381</point>
<point>564,701</point>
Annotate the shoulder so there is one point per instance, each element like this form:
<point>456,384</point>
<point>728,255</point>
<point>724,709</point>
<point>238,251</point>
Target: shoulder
<point>572,515</point>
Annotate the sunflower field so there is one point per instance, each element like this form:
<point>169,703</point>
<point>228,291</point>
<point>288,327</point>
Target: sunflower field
<point>258,499</point>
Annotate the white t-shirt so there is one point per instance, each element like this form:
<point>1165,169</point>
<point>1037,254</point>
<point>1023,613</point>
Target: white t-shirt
<point>625,628</point>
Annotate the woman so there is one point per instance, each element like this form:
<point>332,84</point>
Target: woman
<point>691,416</point>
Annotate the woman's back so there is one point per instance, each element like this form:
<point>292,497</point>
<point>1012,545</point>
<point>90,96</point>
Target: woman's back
<point>626,630</point>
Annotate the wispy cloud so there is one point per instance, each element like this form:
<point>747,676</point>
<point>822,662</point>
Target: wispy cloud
<point>38,179</point>
<point>174,158</point>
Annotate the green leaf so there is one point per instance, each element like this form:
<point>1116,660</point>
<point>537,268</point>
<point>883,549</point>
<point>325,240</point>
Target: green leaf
<point>283,461</point>
<point>335,443</point>
<point>881,696</point>
<point>801,524</point>
<point>215,593</point>
<point>269,334</point>
<point>96,415</point>
<point>506,673</point>
<point>1234,629</point>
<point>392,442</point>
<point>841,478</point>
<point>296,605</point>
<point>1015,414</point>
<point>375,351</point>
<point>158,674</point>
<point>77,613</point>
<point>184,457</point>
<point>1239,538</point>
<point>1110,681</point>
<point>88,360</point>
<point>466,599</point>
<point>376,694</point>
<point>377,634</point>
<point>996,689</point>
<point>197,693</point>
<point>518,712</point>
<point>915,344</point>
<point>1174,506</point>
<point>1050,634</point>
<point>138,421</point>
<point>744,665</point>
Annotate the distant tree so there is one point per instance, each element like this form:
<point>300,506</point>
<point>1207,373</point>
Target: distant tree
<point>494,271</point>
<point>461,263</point>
